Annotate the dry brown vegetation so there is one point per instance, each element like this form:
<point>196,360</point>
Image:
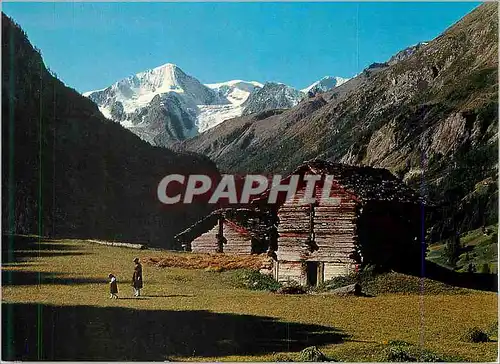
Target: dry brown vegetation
<point>216,262</point>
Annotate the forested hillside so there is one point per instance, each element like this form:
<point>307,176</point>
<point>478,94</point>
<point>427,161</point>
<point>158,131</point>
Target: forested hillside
<point>69,172</point>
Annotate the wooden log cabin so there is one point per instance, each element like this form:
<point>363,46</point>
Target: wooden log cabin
<point>369,217</point>
<point>229,231</point>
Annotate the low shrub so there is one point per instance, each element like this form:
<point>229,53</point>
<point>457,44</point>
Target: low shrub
<point>401,351</point>
<point>429,357</point>
<point>475,335</point>
<point>367,274</point>
<point>399,354</point>
<point>312,353</point>
<point>254,280</point>
<point>340,281</point>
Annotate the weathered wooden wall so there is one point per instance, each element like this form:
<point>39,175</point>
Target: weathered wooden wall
<point>332,270</point>
<point>296,271</point>
<point>293,229</point>
<point>289,271</point>
<point>335,228</point>
<point>333,231</point>
<point>239,242</point>
<point>206,243</point>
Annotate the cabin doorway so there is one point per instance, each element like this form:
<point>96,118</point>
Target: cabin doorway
<point>312,273</point>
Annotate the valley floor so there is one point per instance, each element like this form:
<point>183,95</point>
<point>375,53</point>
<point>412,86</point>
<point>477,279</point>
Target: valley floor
<point>55,305</point>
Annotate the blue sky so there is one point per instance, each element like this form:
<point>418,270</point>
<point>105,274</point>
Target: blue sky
<point>91,45</point>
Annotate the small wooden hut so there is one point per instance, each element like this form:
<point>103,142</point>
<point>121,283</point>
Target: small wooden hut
<point>369,217</point>
<point>230,231</point>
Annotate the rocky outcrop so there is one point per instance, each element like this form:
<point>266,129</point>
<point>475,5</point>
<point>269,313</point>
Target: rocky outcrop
<point>272,96</point>
<point>447,136</point>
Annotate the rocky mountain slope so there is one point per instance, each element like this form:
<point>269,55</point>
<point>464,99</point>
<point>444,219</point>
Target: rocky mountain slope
<point>325,84</point>
<point>69,172</point>
<point>165,105</point>
<point>429,115</point>
<point>272,96</point>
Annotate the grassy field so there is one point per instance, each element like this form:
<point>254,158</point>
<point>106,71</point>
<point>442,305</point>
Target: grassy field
<point>55,305</point>
<point>478,249</point>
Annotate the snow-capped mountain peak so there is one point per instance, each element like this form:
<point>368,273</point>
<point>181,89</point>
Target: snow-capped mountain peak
<point>325,84</point>
<point>164,104</point>
<point>163,78</point>
<point>139,90</point>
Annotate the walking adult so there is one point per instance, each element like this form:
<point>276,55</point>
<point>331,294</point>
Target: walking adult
<point>137,282</point>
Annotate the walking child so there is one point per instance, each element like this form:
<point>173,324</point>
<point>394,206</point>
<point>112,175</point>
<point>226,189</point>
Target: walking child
<point>113,286</point>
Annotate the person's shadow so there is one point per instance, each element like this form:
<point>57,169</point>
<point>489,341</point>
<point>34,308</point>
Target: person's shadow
<point>168,295</point>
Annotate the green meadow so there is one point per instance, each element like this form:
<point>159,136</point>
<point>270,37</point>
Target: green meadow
<point>56,306</point>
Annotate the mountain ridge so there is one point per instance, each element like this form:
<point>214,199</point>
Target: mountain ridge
<point>164,105</point>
